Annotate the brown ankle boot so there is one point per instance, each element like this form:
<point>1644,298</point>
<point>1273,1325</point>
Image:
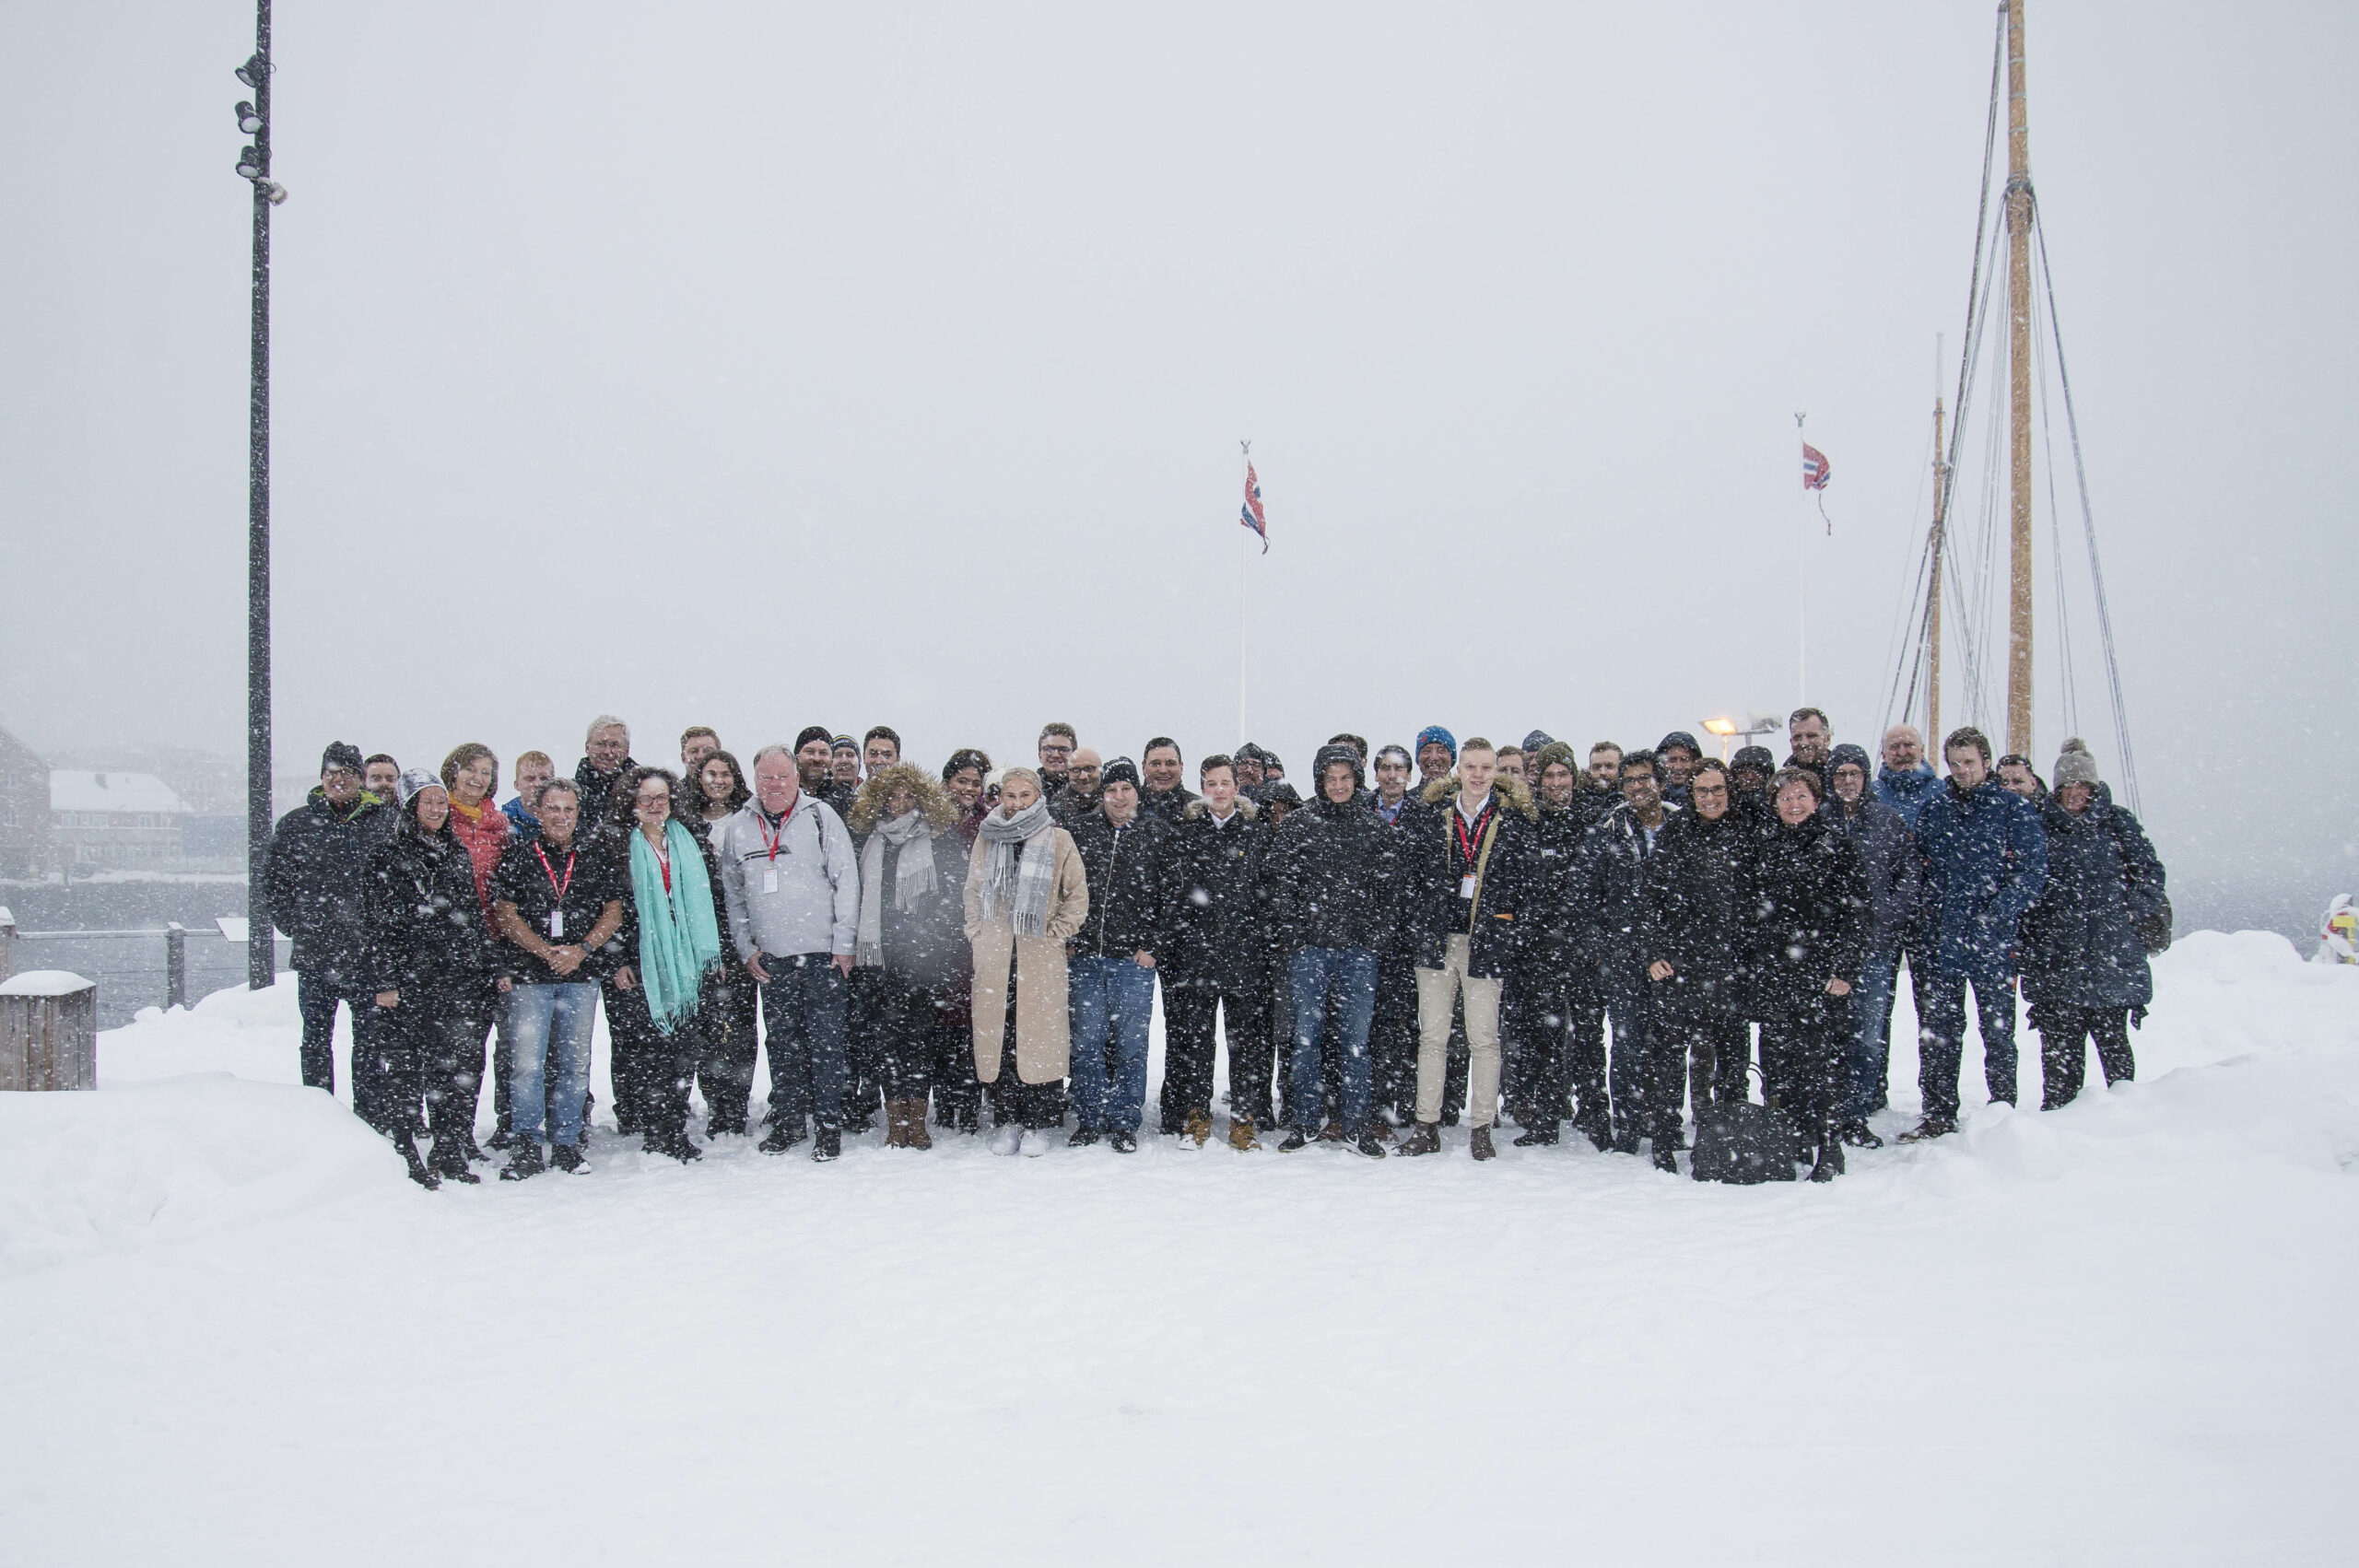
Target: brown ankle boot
<point>897,1125</point>
<point>916,1137</point>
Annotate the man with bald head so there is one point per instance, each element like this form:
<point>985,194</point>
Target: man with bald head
<point>1082,792</point>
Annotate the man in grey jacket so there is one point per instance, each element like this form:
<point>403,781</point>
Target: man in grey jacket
<point>792,885</point>
<point>1891,855</point>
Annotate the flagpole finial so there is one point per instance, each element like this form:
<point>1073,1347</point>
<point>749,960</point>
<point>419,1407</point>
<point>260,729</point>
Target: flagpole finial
<point>1245,447</point>
<point>1798,420</point>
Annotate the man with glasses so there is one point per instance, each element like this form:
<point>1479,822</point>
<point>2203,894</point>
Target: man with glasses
<point>1057,744</point>
<point>312,891</point>
<point>1079,798</point>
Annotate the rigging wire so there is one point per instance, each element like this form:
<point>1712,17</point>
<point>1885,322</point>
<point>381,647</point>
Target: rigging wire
<point>2068,681</point>
<point>2089,527</point>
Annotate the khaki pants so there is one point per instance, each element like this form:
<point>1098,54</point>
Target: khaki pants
<point>1437,989</point>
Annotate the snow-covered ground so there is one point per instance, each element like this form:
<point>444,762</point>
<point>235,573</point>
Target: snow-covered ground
<point>2119,1333</point>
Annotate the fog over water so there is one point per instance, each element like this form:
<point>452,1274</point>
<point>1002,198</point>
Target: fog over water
<point>768,365</point>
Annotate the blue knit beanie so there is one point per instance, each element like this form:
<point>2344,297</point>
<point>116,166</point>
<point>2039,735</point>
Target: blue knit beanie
<point>1433,732</point>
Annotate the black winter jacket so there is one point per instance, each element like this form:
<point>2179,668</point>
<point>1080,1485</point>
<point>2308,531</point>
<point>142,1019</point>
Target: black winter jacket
<point>1221,926</point>
<point>1614,863</point>
<point>1696,901</point>
<point>1494,923</point>
<point>926,947</point>
<point>2079,944</point>
<point>1171,807</point>
<point>1131,893</point>
<point>597,791</point>
<point>316,886</point>
<point>427,935</point>
<point>1334,876</point>
<point>1811,913</point>
<point>1558,935</point>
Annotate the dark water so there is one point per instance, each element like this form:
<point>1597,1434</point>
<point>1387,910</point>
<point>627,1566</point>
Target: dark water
<point>130,970</point>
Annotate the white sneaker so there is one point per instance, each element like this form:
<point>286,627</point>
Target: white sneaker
<point>1035,1144</point>
<point>1007,1140</point>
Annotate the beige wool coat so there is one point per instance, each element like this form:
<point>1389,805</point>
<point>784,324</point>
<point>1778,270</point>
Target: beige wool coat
<point>1043,1030</point>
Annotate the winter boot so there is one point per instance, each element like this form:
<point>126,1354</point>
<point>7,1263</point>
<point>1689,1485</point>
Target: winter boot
<point>917,1137</point>
<point>569,1158</point>
<point>419,1171</point>
<point>473,1151</point>
<point>1122,1141</point>
<point>1295,1141</point>
<point>448,1161</point>
<point>1369,1143</point>
<point>897,1125</point>
<point>1425,1140</point>
<point>1860,1135</point>
<point>1925,1131</point>
<point>784,1135</point>
<point>1540,1134</point>
<point>1199,1129</point>
<point>501,1138</point>
<point>1830,1160</point>
<point>1666,1152</point>
<point>525,1162</point>
<point>828,1144</point>
<point>1479,1145</point>
<point>1240,1135</point>
<point>1081,1138</point>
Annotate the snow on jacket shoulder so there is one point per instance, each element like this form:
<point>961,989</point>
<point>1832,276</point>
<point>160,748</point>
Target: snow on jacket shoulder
<point>800,893</point>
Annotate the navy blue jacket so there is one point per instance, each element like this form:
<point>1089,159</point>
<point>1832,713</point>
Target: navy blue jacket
<point>1894,875</point>
<point>1613,867</point>
<point>1908,792</point>
<point>1985,858</point>
<point>1432,864</point>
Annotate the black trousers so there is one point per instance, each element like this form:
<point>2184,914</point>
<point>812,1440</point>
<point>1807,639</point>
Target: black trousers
<point>651,1069</point>
<point>2064,1055</point>
<point>913,1035</point>
<point>441,1048</point>
<point>1698,1047</point>
<point>1393,1036</point>
<point>388,1065</point>
<point>863,1047</point>
<point>1535,1028</point>
<point>726,1070</point>
<point>1188,1001</point>
<point>1629,1006</point>
<point>1804,1038</point>
<point>317,992</point>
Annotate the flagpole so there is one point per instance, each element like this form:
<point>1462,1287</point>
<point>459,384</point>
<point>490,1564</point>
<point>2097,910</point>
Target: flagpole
<point>1242,545</point>
<point>1802,598</point>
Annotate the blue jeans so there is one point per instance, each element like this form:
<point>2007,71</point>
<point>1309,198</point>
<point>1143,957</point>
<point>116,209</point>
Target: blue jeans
<point>1870,1045</point>
<point>1942,1035</point>
<point>802,1020</point>
<point>1348,974</point>
<point>1109,996</point>
<point>541,1018</point>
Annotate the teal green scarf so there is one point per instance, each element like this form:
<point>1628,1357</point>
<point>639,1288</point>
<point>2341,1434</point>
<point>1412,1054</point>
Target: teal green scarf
<point>678,939</point>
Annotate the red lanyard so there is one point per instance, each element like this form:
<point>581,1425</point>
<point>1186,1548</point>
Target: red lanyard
<point>772,839</point>
<point>1465,843</point>
<point>663,858</point>
<point>550,871</point>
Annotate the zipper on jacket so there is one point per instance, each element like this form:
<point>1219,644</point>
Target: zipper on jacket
<point>1110,862</point>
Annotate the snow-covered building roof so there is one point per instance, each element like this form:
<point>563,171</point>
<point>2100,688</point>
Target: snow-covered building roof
<point>72,789</point>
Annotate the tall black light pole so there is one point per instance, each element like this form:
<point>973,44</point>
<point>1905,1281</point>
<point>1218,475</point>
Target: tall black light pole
<point>254,166</point>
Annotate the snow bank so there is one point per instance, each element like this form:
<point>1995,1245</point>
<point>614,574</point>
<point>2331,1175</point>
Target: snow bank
<point>43,982</point>
<point>170,1161</point>
<point>2116,1332</point>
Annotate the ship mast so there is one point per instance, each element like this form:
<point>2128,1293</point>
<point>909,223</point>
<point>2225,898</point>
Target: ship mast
<point>1933,594</point>
<point>2019,215</point>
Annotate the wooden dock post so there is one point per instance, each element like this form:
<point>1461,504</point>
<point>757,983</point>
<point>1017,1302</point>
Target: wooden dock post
<point>49,1031</point>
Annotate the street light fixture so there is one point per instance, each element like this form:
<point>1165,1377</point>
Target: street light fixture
<point>1729,729</point>
<point>253,167</point>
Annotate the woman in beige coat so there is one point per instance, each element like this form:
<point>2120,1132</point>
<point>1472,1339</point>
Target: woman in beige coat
<point>1026,896</point>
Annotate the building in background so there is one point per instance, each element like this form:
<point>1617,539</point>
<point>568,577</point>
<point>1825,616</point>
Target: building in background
<point>24,810</point>
<point>106,820</point>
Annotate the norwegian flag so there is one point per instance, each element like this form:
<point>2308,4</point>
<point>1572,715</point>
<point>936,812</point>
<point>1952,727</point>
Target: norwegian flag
<point>1814,468</point>
<point>1252,516</point>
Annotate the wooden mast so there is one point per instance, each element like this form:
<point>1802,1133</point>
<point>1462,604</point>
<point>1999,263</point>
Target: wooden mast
<point>2019,737</point>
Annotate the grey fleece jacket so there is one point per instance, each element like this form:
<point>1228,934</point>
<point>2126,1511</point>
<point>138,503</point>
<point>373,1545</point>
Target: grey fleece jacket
<point>804,899</point>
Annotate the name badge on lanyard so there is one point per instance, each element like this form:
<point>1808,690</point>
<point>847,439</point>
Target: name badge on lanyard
<point>1466,886</point>
<point>556,914</point>
<point>556,924</point>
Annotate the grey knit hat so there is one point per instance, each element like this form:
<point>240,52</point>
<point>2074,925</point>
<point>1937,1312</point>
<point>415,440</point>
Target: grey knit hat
<point>414,780</point>
<point>2074,764</point>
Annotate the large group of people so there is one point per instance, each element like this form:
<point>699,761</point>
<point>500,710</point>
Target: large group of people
<point>1432,935</point>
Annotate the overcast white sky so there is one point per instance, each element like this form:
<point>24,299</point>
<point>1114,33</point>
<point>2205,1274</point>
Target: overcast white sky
<point>766,365</point>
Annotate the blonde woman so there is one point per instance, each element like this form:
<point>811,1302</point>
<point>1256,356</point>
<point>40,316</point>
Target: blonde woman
<point>1026,896</point>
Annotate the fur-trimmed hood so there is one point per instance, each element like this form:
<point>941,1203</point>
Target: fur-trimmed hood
<point>1197,809</point>
<point>868,806</point>
<point>1507,785</point>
